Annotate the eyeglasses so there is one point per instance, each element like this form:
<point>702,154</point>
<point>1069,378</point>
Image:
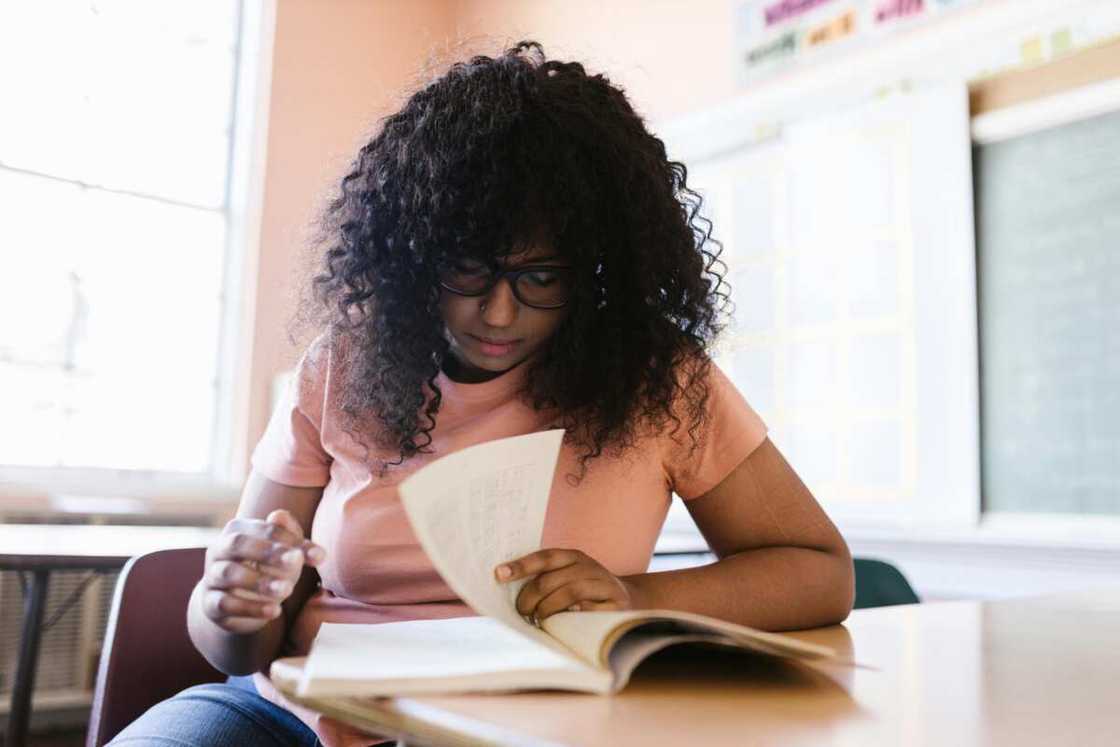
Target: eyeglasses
<point>538,286</point>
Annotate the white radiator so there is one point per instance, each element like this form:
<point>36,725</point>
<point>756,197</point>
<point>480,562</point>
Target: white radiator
<point>69,650</point>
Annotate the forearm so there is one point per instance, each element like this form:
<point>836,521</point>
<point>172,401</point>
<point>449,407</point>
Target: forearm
<point>770,588</point>
<point>233,653</point>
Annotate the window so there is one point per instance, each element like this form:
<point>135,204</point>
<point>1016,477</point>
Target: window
<point>849,249</point>
<point>116,147</point>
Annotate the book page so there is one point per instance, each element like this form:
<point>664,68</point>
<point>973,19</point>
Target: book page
<point>472,653</point>
<point>592,634</point>
<point>632,650</point>
<point>482,506</point>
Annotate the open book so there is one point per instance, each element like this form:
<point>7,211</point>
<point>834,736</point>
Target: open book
<point>471,511</point>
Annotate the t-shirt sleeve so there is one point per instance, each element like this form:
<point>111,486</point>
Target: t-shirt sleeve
<point>733,430</point>
<point>291,450</point>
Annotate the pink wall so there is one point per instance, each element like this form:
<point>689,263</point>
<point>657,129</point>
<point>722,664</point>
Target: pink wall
<point>671,56</point>
<point>340,65</point>
<point>337,67</point>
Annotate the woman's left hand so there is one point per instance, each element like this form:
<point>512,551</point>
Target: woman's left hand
<point>566,580</point>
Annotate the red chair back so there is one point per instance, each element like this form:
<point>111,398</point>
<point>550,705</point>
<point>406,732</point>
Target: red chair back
<point>147,655</point>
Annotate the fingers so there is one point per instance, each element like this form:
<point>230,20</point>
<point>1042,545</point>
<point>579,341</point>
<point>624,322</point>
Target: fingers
<point>283,532</point>
<point>227,575</point>
<point>284,518</point>
<point>275,558</point>
<point>540,587</point>
<point>613,606</point>
<point>598,591</point>
<point>563,580</point>
<point>241,599</point>
<point>236,613</point>
<point>313,554</point>
<point>254,566</point>
<point>538,562</point>
<point>266,542</point>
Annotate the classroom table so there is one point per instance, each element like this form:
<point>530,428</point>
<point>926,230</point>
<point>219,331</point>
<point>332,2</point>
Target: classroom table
<point>40,549</point>
<point>1037,671</point>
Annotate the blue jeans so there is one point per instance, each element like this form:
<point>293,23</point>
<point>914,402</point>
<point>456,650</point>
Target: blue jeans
<point>229,713</point>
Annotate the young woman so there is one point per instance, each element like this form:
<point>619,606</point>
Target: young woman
<point>513,251</point>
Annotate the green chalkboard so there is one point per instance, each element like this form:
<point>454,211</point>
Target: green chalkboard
<point>1048,269</point>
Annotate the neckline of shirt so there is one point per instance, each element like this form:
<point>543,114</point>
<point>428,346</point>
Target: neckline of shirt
<point>502,384</point>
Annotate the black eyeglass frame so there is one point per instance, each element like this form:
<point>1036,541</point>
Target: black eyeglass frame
<point>496,276</point>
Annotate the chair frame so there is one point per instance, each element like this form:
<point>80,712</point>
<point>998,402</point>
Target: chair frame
<point>147,655</point>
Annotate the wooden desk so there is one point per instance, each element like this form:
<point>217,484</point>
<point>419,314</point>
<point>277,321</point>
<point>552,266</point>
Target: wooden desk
<point>1042,671</point>
<point>42,548</point>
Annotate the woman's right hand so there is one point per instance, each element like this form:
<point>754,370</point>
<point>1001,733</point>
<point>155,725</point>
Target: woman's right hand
<point>252,567</point>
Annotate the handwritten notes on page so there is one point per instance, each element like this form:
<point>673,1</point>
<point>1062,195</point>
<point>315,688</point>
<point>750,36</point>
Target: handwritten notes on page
<point>480,507</point>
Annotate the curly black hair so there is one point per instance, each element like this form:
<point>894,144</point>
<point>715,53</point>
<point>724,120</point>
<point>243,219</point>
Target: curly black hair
<point>495,156</point>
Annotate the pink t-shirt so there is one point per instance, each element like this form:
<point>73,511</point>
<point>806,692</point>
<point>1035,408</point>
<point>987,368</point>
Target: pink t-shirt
<point>375,570</point>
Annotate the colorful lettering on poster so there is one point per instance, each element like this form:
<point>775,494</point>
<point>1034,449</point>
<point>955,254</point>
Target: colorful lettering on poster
<point>783,46</point>
<point>787,9</point>
<point>837,28</point>
<point>893,9</point>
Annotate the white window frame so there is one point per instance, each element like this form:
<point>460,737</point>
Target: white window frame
<point>39,490</point>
